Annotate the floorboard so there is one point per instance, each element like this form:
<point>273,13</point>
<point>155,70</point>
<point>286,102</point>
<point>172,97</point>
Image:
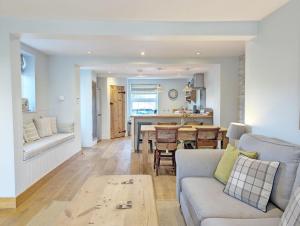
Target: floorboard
<point>105,158</point>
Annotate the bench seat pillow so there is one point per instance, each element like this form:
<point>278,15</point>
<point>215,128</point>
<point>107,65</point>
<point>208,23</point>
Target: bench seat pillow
<point>43,126</point>
<point>30,133</point>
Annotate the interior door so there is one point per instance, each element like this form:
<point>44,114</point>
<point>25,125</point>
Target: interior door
<point>117,111</point>
<point>121,111</point>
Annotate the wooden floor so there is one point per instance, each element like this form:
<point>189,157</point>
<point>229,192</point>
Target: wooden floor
<point>106,158</point>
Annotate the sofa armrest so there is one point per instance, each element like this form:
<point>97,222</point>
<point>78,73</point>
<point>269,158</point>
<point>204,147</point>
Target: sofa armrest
<point>195,163</point>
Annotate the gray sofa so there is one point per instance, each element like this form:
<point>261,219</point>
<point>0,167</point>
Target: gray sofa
<point>201,197</point>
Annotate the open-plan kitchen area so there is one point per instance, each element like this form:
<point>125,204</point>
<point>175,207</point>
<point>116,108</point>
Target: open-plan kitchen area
<point>150,113</point>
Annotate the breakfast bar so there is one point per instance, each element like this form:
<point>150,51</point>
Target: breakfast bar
<point>180,119</point>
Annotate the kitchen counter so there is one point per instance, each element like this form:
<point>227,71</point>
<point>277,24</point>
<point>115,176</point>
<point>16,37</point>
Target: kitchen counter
<point>174,116</point>
<point>206,119</point>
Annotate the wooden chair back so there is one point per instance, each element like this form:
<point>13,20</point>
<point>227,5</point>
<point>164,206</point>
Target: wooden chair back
<point>166,138</point>
<point>207,137</point>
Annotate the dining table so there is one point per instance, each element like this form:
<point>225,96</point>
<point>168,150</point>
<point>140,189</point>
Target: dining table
<point>185,133</point>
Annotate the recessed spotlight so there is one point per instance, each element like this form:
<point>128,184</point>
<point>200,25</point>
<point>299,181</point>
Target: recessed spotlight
<point>142,53</point>
<point>198,53</point>
<point>89,52</point>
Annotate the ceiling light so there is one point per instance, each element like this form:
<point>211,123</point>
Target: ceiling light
<point>142,53</point>
<point>198,53</point>
<point>89,52</point>
<point>109,72</point>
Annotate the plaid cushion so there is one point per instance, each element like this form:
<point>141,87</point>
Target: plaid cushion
<point>291,214</point>
<point>251,181</point>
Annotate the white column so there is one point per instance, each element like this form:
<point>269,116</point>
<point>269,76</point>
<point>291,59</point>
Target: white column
<point>10,113</point>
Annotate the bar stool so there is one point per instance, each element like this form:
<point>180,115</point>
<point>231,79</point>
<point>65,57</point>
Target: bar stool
<point>139,139</point>
<point>166,146</point>
<point>207,137</point>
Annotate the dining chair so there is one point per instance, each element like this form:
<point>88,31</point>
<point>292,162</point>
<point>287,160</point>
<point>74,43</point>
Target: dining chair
<point>166,146</point>
<point>139,139</point>
<point>207,137</point>
<point>191,144</point>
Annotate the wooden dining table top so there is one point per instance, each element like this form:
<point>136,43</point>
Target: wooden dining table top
<point>185,128</point>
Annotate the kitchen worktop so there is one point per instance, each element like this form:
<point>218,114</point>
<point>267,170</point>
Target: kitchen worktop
<point>206,119</point>
<point>173,116</point>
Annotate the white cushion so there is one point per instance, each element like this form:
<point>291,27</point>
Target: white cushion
<point>30,133</point>
<point>44,144</point>
<point>53,123</point>
<point>66,127</point>
<point>43,126</point>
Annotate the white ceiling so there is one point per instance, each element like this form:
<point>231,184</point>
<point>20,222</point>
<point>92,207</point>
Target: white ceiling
<point>144,10</point>
<point>153,71</point>
<point>122,46</point>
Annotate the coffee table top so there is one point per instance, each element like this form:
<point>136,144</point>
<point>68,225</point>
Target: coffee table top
<point>95,203</point>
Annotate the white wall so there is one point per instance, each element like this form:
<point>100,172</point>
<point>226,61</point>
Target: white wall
<point>165,105</point>
<point>212,81</point>
<point>272,75</point>
<point>86,114</point>
<point>229,91</point>
<point>8,134</point>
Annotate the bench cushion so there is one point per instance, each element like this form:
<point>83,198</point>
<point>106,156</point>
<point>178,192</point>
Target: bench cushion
<point>240,222</point>
<point>204,198</point>
<point>35,148</point>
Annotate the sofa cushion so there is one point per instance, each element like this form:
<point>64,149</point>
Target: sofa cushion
<point>270,149</point>
<point>291,215</point>
<point>240,222</point>
<point>205,198</point>
<point>251,181</point>
<point>227,161</point>
<point>35,148</point>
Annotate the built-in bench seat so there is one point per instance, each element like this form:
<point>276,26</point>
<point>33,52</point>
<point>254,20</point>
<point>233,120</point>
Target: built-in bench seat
<point>44,144</point>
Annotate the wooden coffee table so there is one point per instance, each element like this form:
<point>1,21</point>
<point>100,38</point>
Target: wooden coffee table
<point>95,203</point>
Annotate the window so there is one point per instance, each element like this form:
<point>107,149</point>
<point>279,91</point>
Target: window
<point>143,99</point>
<point>28,82</point>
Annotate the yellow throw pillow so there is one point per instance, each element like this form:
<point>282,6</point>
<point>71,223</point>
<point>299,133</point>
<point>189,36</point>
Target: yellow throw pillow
<point>227,161</point>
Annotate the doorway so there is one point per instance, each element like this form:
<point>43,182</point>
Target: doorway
<point>94,110</point>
